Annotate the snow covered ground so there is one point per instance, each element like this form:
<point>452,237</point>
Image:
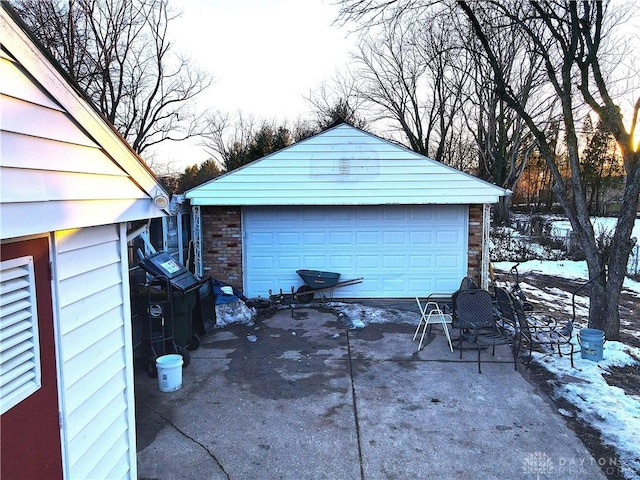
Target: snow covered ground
<point>600,224</point>
<point>606,408</point>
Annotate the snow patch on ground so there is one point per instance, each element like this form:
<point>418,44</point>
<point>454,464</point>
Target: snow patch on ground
<point>355,315</point>
<point>606,408</point>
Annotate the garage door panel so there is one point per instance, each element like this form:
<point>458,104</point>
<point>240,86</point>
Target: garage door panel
<point>341,239</point>
<point>288,262</point>
<point>445,284</point>
<point>313,262</point>
<point>287,239</point>
<point>420,262</point>
<point>447,215</point>
<point>263,286</point>
<point>447,262</point>
<point>365,262</point>
<point>371,288</point>
<point>338,215</point>
<point>400,251</point>
<point>394,238</point>
<point>262,239</point>
<point>420,239</point>
<point>394,261</point>
<point>421,215</point>
<point>313,215</point>
<point>280,216</point>
<point>367,214</point>
<point>366,239</point>
<point>393,284</point>
<point>339,262</point>
<point>422,286</point>
<point>395,214</point>
<point>448,237</point>
<point>310,239</point>
<point>265,263</point>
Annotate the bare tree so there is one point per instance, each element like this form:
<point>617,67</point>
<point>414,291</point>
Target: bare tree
<point>227,138</point>
<point>502,137</point>
<point>409,72</point>
<point>336,100</point>
<point>425,73</point>
<point>119,54</point>
<point>602,169</point>
<point>237,142</point>
<point>571,39</point>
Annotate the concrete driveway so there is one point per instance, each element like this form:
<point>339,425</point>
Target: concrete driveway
<point>310,399</point>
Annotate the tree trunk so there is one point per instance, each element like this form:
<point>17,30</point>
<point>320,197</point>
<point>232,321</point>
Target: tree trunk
<point>604,311</point>
<point>604,299</point>
<point>501,211</point>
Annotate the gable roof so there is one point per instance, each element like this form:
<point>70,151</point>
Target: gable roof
<point>344,165</point>
<point>62,162</point>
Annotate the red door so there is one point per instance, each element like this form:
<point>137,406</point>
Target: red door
<point>29,432</point>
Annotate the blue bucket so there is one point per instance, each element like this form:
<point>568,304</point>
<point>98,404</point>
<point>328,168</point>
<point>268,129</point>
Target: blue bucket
<point>591,343</point>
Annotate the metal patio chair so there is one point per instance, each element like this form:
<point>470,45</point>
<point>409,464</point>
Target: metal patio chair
<point>541,332</point>
<point>475,317</point>
<point>505,306</point>
<point>467,283</point>
<point>430,314</point>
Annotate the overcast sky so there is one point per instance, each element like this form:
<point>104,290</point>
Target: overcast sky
<point>264,56</point>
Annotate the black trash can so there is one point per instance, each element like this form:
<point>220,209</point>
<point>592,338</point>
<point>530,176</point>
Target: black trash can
<point>204,314</point>
<point>183,305</point>
<point>181,321</point>
<point>174,281</point>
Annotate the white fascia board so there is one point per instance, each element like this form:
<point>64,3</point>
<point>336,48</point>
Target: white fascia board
<point>55,216</point>
<point>228,202</point>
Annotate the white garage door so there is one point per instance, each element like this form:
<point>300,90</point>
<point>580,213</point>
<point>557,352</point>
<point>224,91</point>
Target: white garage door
<point>400,251</point>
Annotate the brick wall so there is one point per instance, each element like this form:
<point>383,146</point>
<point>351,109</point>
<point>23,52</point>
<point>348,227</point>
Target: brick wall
<point>222,243</point>
<point>475,243</point>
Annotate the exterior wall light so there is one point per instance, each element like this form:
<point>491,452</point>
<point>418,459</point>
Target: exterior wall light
<point>160,201</point>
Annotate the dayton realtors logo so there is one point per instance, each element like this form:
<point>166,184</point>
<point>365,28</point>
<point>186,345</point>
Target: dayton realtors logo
<point>538,463</point>
<point>542,465</point>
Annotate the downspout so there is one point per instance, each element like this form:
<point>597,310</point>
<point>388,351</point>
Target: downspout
<point>484,263</point>
<point>196,235</point>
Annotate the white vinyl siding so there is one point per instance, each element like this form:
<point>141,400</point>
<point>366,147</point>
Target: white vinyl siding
<point>400,251</point>
<point>20,151</point>
<point>345,166</point>
<point>18,115</point>
<point>13,85</point>
<point>52,170</point>
<point>19,346</point>
<point>64,170</point>
<point>94,317</point>
<point>62,186</point>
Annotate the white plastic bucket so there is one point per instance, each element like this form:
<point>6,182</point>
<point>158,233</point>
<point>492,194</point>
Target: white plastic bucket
<point>591,344</point>
<point>169,372</point>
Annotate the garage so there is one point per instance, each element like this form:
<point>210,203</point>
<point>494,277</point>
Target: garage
<point>345,201</point>
<point>400,251</point>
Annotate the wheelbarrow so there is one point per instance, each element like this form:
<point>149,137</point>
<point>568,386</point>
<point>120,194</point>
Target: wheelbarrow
<point>320,282</point>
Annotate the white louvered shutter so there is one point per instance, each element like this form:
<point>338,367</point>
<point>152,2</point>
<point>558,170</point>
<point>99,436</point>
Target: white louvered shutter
<point>19,345</point>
